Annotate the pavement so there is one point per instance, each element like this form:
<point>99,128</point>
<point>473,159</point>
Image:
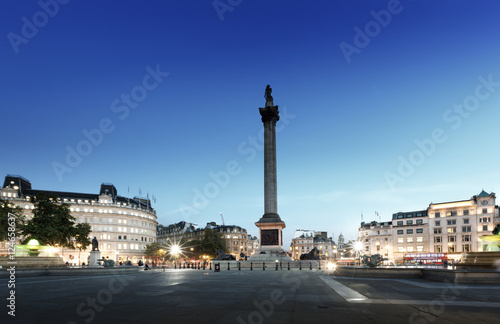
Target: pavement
<point>197,296</point>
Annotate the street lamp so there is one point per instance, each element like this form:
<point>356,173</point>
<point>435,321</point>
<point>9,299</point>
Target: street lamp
<point>79,253</point>
<point>358,247</point>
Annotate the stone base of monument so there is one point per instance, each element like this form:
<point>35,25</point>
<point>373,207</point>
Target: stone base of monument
<point>268,254</point>
<point>94,256</point>
<point>305,265</point>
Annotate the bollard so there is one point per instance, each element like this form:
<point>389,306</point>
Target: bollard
<point>300,265</point>
<point>281,266</point>
<point>239,265</point>
<point>263,266</point>
<point>175,265</point>
<point>319,265</point>
<point>203,265</point>
<point>288,265</point>
<point>228,266</point>
<point>310,265</point>
<point>276,266</point>
<point>184,265</point>
<point>210,266</point>
<point>199,266</point>
<point>251,263</point>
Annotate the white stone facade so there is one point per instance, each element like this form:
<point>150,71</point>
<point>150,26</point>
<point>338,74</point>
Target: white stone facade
<point>449,227</point>
<point>122,226</point>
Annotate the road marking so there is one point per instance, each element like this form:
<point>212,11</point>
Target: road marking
<point>347,293</point>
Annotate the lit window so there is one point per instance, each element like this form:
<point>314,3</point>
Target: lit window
<point>420,239</point>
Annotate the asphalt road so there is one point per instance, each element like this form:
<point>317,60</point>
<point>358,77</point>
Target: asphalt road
<point>197,296</point>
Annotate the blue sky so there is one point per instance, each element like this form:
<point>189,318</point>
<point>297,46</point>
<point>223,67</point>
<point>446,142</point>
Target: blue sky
<point>419,72</point>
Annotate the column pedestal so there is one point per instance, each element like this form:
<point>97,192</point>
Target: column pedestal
<point>94,256</point>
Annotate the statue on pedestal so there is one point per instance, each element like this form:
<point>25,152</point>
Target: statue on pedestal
<point>268,96</point>
<point>95,244</point>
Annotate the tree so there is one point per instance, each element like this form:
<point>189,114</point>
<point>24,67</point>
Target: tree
<point>52,224</point>
<point>82,236</point>
<point>154,249</point>
<point>212,242</point>
<point>11,220</point>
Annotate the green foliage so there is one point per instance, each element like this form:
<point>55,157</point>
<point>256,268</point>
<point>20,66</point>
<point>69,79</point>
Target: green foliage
<point>211,243</point>
<point>82,236</point>
<point>7,208</point>
<point>52,224</point>
<point>155,249</point>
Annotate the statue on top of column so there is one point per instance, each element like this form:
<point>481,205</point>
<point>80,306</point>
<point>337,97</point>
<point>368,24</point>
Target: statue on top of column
<point>268,96</point>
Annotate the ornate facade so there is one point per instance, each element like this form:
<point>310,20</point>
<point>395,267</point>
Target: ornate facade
<point>305,240</point>
<point>123,226</point>
<point>237,239</point>
<point>443,230</point>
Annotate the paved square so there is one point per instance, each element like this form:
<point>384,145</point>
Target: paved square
<point>197,296</point>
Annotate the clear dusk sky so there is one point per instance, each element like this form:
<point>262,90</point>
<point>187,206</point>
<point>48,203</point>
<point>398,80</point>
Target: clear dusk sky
<point>385,106</point>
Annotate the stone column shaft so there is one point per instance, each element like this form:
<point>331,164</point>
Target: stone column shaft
<point>270,176</point>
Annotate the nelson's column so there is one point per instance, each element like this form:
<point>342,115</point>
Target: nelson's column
<point>270,224</point>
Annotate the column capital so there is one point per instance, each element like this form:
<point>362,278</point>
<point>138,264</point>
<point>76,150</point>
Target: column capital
<point>269,114</point>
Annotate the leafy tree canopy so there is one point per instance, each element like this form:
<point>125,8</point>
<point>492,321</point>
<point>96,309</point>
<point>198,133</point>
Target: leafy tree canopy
<point>16,222</point>
<point>211,243</point>
<point>155,249</point>
<point>52,224</point>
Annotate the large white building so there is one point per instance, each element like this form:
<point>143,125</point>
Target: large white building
<point>123,226</point>
<point>442,231</point>
<point>377,238</point>
<point>456,226</point>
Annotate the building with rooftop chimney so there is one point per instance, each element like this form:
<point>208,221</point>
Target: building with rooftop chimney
<point>123,226</point>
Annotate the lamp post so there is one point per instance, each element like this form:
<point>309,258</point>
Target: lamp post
<point>79,253</point>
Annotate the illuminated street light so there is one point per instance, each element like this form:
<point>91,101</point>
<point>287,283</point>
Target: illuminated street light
<point>175,250</point>
<point>358,246</point>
